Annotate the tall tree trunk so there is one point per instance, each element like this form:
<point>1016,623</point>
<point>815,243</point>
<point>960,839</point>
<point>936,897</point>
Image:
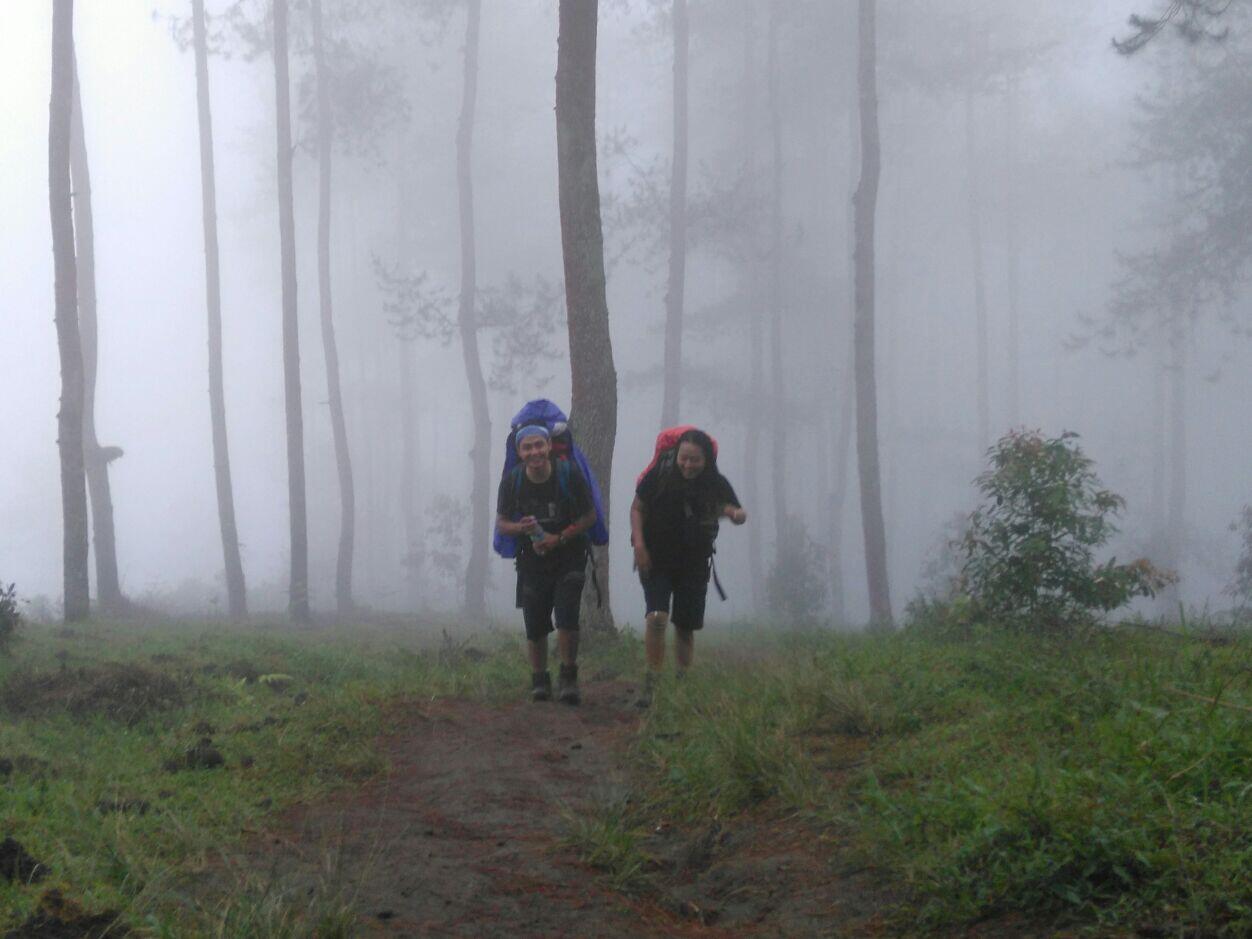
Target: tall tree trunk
<point>865,203</point>
<point>593,408</point>
<point>69,343</point>
<point>236,592</point>
<point>299,597</point>
<point>467,322</point>
<point>756,369</point>
<point>839,493</point>
<point>676,285</point>
<point>1013,250</point>
<point>1176,511</point>
<point>96,459</point>
<point>413,555</point>
<point>778,409</point>
<point>980,287</point>
<point>339,430</point>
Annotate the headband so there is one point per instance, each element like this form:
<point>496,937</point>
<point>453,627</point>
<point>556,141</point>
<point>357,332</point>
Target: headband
<point>532,430</point>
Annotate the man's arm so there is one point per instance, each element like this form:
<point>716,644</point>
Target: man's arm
<point>522,526</point>
<point>580,525</point>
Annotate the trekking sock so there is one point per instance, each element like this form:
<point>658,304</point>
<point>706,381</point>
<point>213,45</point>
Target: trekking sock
<point>567,685</point>
<point>541,686</point>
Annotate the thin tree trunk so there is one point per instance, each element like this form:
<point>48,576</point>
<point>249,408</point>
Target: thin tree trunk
<point>408,478</point>
<point>839,494</point>
<point>299,596</point>
<point>593,408</point>
<point>338,425</point>
<point>980,287</point>
<point>96,459</point>
<point>676,286</point>
<point>467,321</point>
<point>77,600</point>
<point>756,370</point>
<point>1013,250</point>
<point>1176,511</point>
<point>865,206</point>
<point>236,592</point>
<point>778,416</point>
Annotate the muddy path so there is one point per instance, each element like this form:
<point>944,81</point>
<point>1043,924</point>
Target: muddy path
<point>464,837</point>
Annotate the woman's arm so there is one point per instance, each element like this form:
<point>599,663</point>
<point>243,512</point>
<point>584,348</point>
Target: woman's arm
<point>643,560</point>
<point>735,513</point>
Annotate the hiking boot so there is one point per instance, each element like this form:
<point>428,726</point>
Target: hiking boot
<point>541,686</point>
<point>645,697</point>
<point>567,685</point>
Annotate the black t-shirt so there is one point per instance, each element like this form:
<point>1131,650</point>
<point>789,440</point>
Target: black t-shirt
<point>680,516</point>
<point>556,511</point>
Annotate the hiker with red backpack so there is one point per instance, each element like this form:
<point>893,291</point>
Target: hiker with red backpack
<point>548,511</point>
<point>679,501</point>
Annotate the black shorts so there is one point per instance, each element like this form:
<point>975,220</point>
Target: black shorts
<point>540,594</point>
<point>687,586</point>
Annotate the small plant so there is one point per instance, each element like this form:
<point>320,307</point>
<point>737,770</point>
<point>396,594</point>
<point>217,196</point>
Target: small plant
<point>1241,587</point>
<point>795,586</point>
<point>1030,548</point>
<point>10,618</point>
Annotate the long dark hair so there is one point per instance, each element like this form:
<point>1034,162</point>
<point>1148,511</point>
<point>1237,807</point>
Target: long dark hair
<point>707,475</point>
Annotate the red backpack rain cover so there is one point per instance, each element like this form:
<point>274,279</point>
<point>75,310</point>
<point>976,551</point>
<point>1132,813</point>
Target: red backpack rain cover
<point>668,440</point>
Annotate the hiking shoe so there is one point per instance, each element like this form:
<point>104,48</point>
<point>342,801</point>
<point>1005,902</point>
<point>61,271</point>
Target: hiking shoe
<point>645,697</point>
<point>541,686</point>
<point>567,685</point>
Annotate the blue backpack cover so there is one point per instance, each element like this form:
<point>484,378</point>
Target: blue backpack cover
<point>543,412</point>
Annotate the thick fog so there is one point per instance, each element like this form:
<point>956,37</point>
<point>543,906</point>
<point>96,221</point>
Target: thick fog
<point>1013,145</point>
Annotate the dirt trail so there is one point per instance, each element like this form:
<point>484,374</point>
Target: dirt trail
<point>463,838</point>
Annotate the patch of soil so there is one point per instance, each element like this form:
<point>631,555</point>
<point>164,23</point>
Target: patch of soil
<point>464,837</point>
<point>120,691</point>
<point>60,918</point>
<point>16,864</point>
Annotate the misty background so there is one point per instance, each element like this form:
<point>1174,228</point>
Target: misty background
<point>1017,169</point>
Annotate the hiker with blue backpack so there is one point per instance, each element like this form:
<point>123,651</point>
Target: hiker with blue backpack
<point>679,501</point>
<point>548,514</point>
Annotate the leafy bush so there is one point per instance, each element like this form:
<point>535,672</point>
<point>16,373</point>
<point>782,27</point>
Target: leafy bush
<point>796,587</point>
<point>1030,548</point>
<point>9,615</point>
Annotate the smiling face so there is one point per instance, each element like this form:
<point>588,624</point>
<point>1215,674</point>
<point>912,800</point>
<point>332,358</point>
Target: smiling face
<point>690,460</point>
<point>534,451</point>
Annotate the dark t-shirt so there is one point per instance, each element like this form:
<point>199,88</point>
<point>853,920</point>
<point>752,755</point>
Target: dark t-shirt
<point>680,516</point>
<point>519,497</point>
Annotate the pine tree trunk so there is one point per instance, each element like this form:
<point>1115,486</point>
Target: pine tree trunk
<point>96,459</point>
<point>1176,511</point>
<point>676,285</point>
<point>593,408</point>
<point>467,322</point>
<point>236,591</point>
<point>865,204</point>
<point>299,596</point>
<point>413,556</point>
<point>1013,250</point>
<point>756,369</point>
<point>338,425</point>
<point>778,409</point>
<point>980,286</point>
<point>77,599</point>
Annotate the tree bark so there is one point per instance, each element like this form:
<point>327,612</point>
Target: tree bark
<point>756,369</point>
<point>865,203</point>
<point>338,424</point>
<point>676,285</point>
<point>299,588</point>
<point>467,322</point>
<point>77,599</point>
<point>593,408</point>
<point>1012,248</point>
<point>96,459</point>
<point>1176,511</point>
<point>980,286</point>
<point>778,409</point>
<point>236,591</point>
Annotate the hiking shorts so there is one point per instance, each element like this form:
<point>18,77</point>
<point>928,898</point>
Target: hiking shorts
<point>687,588</point>
<point>543,595</point>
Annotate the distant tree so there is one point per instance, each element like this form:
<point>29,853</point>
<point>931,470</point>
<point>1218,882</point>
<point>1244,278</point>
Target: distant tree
<point>69,342</point>
<point>676,283</point>
<point>865,204</point>
<point>96,458</point>
<point>1240,587</point>
<point>593,409</point>
<point>299,581</point>
<point>1193,20</point>
<point>236,590</point>
<point>338,424</point>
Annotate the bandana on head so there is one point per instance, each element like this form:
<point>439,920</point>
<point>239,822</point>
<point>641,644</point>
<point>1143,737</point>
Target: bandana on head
<point>532,430</point>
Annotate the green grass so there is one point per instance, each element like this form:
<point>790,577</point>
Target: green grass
<point>1084,780</point>
<point>168,859</point>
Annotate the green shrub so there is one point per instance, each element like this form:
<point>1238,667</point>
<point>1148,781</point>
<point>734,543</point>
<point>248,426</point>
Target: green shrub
<point>9,615</point>
<point>1030,547</point>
